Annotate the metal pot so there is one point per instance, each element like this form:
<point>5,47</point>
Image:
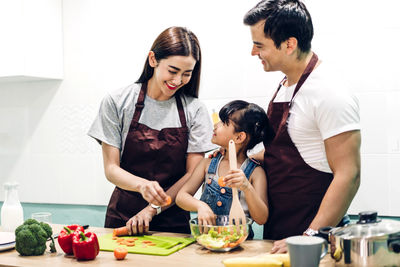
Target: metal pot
<point>369,242</point>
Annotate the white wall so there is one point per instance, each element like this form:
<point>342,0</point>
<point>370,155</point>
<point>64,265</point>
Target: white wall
<point>43,125</point>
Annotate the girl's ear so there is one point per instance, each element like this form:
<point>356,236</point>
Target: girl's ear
<point>152,59</point>
<point>240,137</point>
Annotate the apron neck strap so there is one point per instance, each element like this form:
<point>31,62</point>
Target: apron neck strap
<point>306,73</point>
<point>303,78</point>
<point>180,110</point>
<point>140,105</point>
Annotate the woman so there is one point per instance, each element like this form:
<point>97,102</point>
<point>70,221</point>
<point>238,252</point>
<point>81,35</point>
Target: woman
<point>153,133</point>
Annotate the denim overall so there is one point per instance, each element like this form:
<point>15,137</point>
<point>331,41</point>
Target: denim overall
<point>220,198</point>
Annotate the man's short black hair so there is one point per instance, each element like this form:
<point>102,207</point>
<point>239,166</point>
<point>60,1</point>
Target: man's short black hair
<point>283,19</point>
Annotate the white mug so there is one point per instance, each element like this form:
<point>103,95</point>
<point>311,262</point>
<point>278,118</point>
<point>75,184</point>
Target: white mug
<point>306,251</point>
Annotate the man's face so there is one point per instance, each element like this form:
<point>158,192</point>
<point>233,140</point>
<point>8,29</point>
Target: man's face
<point>265,49</point>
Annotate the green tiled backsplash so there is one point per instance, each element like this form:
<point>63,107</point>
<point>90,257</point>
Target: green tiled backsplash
<point>95,215</point>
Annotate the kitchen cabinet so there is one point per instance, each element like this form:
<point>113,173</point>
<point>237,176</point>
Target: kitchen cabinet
<point>31,46</point>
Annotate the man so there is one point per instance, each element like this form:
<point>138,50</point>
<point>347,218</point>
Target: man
<point>313,164</point>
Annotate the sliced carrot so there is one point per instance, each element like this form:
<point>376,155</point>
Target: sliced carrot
<point>130,239</point>
<point>221,181</point>
<point>240,239</point>
<point>120,253</point>
<point>147,241</point>
<point>152,244</point>
<point>121,231</point>
<point>232,245</point>
<point>130,245</point>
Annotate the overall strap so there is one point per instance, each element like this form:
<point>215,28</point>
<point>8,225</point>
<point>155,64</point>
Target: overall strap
<point>251,165</point>
<point>212,169</point>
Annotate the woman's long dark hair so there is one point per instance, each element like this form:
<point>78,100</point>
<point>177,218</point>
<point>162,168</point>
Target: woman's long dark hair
<point>176,41</point>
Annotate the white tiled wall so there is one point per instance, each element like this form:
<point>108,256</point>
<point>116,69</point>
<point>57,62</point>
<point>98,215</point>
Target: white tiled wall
<point>43,125</point>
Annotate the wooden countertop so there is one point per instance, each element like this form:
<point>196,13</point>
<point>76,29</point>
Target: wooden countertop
<point>193,255</point>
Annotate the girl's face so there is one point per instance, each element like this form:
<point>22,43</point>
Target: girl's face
<point>223,133</point>
<point>170,74</point>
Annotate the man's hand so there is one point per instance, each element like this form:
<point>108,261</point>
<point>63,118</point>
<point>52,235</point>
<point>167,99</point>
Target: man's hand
<point>279,247</point>
<point>215,153</point>
<point>139,223</point>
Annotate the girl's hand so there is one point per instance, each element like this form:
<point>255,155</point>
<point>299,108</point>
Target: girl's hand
<point>205,215</point>
<point>236,178</point>
<point>139,223</point>
<point>153,193</point>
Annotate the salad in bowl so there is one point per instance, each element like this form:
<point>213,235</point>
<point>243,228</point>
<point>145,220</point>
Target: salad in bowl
<point>222,236</point>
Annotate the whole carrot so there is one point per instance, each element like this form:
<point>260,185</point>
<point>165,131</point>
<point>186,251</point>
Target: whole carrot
<point>122,231</point>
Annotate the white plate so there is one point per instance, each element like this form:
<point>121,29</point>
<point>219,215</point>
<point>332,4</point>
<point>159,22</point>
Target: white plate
<point>7,246</point>
<point>7,240</point>
<point>6,237</point>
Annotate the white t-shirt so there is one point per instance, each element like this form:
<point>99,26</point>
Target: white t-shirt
<point>322,108</point>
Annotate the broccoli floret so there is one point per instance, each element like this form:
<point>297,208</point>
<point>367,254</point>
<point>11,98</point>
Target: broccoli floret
<point>31,237</point>
<point>49,232</point>
<point>30,221</point>
<point>47,228</point>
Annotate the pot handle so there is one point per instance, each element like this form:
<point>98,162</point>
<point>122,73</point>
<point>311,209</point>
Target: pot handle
<point>324,232</point>
<point>394,246</point>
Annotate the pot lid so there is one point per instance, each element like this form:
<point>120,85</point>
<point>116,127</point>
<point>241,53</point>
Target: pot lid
<point>368,225</point>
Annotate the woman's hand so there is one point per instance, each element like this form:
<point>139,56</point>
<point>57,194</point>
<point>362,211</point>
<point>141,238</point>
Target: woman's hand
<point>139,223</point>
<point>205,215</point>
<point>237,178</point>
<point>153,193</point>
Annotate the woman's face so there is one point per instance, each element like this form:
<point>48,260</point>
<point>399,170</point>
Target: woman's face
<point>170,74</point>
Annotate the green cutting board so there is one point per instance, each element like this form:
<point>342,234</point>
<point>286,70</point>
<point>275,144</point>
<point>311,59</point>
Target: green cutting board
<point>165,245</point>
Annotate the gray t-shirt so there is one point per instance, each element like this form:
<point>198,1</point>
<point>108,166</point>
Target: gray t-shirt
<point>117,108</point>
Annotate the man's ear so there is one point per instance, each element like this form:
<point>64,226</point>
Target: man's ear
<point>152,59</point>
<point>291,45</point>
<point>240,137</point>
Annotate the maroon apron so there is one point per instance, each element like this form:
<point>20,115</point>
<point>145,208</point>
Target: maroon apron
<point>295,189</point>
<point>156,156</point>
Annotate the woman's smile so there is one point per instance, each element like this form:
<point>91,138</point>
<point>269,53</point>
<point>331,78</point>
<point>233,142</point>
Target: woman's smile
<point>170,86</point>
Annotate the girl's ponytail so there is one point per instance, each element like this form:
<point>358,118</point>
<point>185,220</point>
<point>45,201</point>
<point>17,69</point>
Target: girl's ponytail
<point>249,118</point>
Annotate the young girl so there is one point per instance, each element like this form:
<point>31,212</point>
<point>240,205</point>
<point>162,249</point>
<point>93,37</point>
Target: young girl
<point>247,125</point>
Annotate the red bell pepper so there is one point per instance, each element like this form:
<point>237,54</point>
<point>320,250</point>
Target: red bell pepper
<point>85,245</point>
<point>65,237</point>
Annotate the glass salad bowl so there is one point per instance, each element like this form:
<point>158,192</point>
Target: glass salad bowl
<point>222,236</point>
